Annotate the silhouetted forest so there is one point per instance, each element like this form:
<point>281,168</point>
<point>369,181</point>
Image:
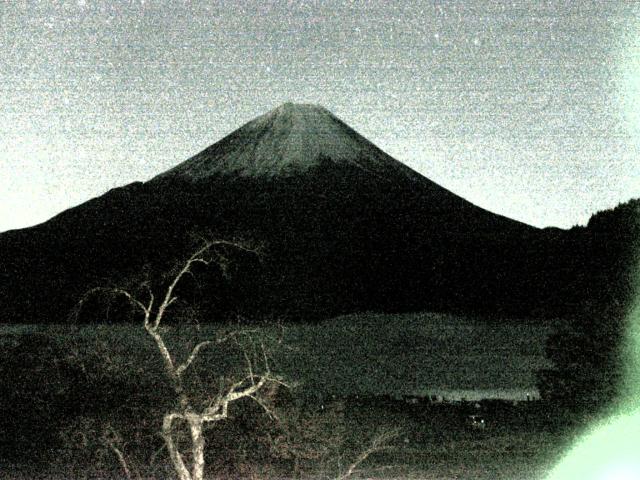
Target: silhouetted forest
<point>587,351</point>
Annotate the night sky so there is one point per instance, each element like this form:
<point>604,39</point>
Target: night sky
<point>530,108</point>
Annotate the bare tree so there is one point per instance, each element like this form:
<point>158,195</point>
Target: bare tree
<point>189,413</point>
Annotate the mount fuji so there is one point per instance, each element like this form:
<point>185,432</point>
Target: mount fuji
<point>344,228</point>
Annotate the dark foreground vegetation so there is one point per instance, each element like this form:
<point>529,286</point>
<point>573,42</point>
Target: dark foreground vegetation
<point>75,399</point>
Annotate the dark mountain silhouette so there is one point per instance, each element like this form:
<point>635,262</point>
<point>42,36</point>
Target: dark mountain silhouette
<point>345,228</point>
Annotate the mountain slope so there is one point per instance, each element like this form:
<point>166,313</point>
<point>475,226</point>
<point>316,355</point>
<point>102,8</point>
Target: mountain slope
<point>299,141</point>
<point>344,226</point>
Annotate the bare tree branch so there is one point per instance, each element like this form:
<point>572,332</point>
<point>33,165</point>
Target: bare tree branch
<point>196,350</point>
<point>269,411</point>
<point>166,356</point>
<point>116,291</point>
<point>112,439</point>
<point>380,442</point>
<point>197,257</point>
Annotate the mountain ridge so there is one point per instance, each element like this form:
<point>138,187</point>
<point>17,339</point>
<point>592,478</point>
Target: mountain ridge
<point>338,238</point>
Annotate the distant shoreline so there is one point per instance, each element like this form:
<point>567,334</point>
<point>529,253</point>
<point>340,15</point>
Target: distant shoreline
<point>478,394</point>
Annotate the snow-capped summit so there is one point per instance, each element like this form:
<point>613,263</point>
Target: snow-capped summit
<point>289,139</point>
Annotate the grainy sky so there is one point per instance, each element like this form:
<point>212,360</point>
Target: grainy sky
<point>527,108</point>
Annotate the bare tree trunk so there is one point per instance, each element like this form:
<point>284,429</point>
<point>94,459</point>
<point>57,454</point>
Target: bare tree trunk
<point>197,446</point>
<point>174,453</point>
